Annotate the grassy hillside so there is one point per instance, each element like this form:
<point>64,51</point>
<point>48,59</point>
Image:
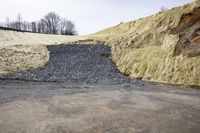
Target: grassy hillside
<point>21,50</point>
<point>164,47</point>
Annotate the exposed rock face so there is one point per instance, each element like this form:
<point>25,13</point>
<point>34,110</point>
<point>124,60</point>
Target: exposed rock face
<point>189,32</point>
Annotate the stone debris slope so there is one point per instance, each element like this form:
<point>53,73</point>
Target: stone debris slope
<point>75,63</point>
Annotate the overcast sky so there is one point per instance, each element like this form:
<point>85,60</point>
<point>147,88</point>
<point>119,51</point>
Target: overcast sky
<point>89,15</point>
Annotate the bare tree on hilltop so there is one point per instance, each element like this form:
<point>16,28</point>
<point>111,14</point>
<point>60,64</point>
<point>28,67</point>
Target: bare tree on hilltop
<point>67,27</point>
<point>51,23</point>
<point>41,27</point>
<point>19,22</point>
<point>163,9</point>
<point>8,22</point>
<point>33,27</point>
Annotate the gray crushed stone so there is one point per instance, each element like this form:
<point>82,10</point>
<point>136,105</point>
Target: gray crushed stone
<point>75,63</point>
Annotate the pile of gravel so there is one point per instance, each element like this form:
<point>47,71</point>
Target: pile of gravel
<point>75,63</point>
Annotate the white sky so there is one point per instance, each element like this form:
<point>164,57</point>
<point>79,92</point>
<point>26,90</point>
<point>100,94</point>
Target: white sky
<point>89,15</point>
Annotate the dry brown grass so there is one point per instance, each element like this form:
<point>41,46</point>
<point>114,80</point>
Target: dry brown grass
<point>144,49</point>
